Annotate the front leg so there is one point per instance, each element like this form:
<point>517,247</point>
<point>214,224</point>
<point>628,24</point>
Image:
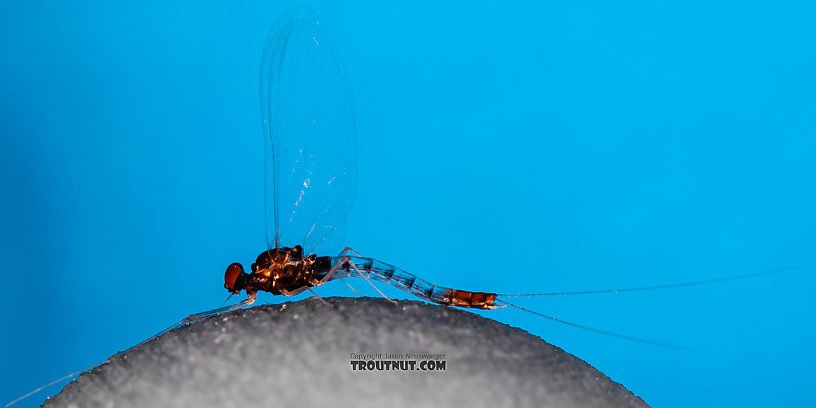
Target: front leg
<point>196,317</point>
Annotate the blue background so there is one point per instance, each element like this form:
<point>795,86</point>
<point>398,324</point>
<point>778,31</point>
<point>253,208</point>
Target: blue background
<point>508,148</point>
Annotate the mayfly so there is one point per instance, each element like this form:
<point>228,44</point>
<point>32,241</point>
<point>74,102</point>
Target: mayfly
<point>311,175</point>
<point>311,178</point>
<point>310,184</point>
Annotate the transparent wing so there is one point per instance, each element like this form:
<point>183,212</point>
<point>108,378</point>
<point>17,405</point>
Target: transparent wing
<point>309,135</point>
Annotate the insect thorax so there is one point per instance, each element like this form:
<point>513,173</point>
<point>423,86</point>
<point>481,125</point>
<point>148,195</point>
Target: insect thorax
<point>286,269</point>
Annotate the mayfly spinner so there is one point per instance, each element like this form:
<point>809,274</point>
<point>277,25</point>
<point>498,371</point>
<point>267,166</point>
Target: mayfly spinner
<point>311,175</point>
<point>311,180</point>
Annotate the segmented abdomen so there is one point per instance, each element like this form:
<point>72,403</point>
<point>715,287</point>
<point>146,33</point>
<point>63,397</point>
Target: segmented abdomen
<point>353,266</point>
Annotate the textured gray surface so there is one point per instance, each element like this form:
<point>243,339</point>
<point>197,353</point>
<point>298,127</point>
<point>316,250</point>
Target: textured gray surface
<point>298,354</point>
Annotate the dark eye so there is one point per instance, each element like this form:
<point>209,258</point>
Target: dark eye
<point>231,275</point>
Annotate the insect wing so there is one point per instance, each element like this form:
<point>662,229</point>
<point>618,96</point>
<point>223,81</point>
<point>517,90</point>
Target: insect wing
<point>309,135</point>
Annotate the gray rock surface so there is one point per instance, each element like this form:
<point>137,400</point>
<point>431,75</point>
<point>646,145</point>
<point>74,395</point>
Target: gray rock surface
<point>299,354</point>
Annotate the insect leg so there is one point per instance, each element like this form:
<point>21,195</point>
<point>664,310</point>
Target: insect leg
<point>347,250</point>
<point>285,292</point>
<point>198,316</point>
<point>332,271</point>
<point>345,260</point>
<point>364,275</point>
<point>319,297</point>
<point>189,319</point>
<point>194,318</point>
<point>50,384</point>
<point>297,291</point>
<point>351,287</point>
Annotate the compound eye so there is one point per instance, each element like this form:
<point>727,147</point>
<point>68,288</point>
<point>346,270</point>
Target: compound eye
<point>233,272</point>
